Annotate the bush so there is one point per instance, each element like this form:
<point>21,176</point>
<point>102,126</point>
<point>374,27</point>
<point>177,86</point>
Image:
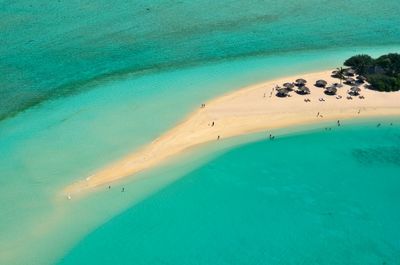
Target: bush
<point>390,62</point>
<point>382,73</point>
<point>382,82</point>
<point>360,63</point>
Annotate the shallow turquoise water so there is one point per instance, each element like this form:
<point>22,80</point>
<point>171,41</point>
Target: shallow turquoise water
<point>323,197</point>
<point>130,75</point>
<point>53,48</point>
<point>46,148</point>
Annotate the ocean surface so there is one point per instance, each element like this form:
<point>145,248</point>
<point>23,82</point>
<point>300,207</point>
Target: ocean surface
<point>83,83</point>
<point>52,49</point>
<point>317,197</point>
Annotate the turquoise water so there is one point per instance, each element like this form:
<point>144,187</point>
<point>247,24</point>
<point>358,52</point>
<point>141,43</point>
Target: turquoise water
<point>111,77</point>
<point>54,48</point>
<point>48,147</point>
<point>323,197</point>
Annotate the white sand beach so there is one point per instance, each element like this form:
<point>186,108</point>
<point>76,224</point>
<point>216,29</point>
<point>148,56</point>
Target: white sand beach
<point>251,109</point>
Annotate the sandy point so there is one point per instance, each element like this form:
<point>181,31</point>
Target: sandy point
<point>251,109</point>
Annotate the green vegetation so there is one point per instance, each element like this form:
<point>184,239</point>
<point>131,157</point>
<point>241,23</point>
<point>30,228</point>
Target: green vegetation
<point>383,82</point>
<point>340,73</point>
<point>382,73</point>
<point>360,63</point>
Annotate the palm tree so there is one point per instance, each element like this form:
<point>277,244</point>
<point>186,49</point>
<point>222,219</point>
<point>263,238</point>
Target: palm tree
<point>340,73</point>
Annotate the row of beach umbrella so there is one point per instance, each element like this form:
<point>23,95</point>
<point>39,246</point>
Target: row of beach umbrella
<point>330,90</point>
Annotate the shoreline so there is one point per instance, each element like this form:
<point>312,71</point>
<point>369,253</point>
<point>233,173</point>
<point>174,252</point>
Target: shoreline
<point>248,110</point>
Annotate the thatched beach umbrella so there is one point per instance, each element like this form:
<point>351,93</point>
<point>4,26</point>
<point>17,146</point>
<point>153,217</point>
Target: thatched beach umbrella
<point>330,90</point>
<point>282,91</point>
<point>361,78</point>
<point>349,72</point>
<point>288,85</point>
<point>301,82</point>
<point>304,90</point>
<point>321,83</point>
<point>337,85</point>
<point>350,81</point>
<point>355,90</point>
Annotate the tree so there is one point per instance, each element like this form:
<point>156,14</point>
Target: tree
<point>360,63</point>
<point>382,82</point>
<point>340,73</point>
<point>382,73</point>
<point>390,63</point>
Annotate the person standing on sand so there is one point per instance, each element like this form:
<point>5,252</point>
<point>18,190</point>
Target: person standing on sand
<point>212,124</point>
<point>218,137</point>
<point>318,114</point>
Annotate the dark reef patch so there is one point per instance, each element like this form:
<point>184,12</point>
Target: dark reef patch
<point>378,155</point>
